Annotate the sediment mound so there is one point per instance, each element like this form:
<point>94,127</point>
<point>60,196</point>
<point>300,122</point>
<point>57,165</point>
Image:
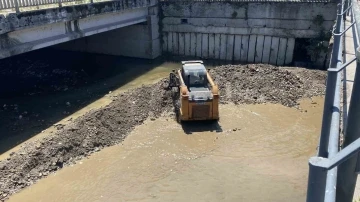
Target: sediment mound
<point>247,84</point>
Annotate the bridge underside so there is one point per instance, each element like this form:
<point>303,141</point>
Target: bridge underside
<point>140,40</point>
<point>25,40</point>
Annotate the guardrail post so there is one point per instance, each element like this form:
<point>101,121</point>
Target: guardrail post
<point>316,183</point>
<point>347,175</point>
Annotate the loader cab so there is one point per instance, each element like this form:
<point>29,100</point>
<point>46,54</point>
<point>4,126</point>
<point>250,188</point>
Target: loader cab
<point>194,74</point>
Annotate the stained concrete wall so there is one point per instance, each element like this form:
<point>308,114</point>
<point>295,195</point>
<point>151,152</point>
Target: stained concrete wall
<point>244,48</point>
<point>141,40</point>
<point>243,31</point>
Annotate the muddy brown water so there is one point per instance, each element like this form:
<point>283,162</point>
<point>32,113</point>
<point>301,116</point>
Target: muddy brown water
<point>41,113</point>
<point>255,153</point>
<point>45,111</point>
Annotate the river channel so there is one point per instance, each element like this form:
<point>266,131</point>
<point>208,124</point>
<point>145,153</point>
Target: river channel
<point>255,153</point>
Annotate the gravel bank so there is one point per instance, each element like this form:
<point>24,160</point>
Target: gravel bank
<point>241,84</point>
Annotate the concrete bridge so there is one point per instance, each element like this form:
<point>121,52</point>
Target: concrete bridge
<point>268,31</point>
<point>21,32</point>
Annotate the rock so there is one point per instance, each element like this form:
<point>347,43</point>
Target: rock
<point>60,160</point>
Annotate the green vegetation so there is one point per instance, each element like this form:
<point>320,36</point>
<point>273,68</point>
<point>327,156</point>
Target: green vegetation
<point>318,20</point>
<point>234,14</point>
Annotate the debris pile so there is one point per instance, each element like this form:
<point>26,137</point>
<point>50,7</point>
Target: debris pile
<point>250,84</point>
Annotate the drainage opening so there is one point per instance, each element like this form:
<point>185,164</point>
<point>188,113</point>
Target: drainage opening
<point>301,56</point>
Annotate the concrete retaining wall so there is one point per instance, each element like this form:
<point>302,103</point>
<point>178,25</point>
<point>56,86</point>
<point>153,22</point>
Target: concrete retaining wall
<point>244,48</point>
<point>243,31</point>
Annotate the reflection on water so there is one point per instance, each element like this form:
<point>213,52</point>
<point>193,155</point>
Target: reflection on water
<point>260,154</point>
<point>67,85</point>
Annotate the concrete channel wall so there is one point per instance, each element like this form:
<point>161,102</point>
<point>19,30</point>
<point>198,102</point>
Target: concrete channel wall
<point>249,32</point>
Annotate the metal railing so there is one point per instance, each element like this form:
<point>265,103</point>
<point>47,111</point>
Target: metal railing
<point>17,4</point>
<point>333,173</point>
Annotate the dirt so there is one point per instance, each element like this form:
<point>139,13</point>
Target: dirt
<point>241,84</point>
<point>263,83</point>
